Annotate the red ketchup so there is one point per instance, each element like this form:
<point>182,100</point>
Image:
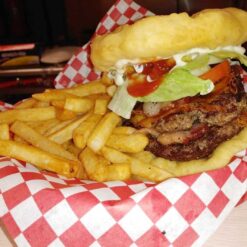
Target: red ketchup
<point>153,70</point>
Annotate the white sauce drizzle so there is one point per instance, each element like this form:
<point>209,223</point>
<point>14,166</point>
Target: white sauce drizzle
<point>149,79</point>
<point>198,51</point>
<point>138,68</point>
<point>118,73</point>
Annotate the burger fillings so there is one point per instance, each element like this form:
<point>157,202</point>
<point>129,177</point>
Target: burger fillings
<point>192,101</point>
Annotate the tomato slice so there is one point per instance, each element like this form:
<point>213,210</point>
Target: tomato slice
<point>153,70</point>
<point>218,72</point>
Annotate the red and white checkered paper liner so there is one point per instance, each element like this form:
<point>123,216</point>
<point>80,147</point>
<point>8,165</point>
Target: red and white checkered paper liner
<point>80,69</point>
<point>43,209</point>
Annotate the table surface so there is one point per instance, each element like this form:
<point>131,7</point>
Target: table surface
<point>231,233</point>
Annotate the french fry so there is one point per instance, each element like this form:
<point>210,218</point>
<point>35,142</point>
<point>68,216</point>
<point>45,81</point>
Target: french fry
<point>17,138</point>
<point>105,79</point>
<point>72,148</point>
<point>118,172</point>
<point>63,114</point>
<point>144,156</point>
<point>95,87</point>
<point>27,103</point>
<point>94,168</point>
<point>164,164</point>
<point>4,132</point>
<point>102,131</point>
<point>65,134</point>
<point>133,143</point>
<point>124,130</point>
<point>41,104</point>
<point>100,106</point>
<point>60,125</point>
<point>83,131</point>
<point>30,114</point>
<point>114,156</point>
<point>37,140</point>
<point>138,178</point>
<point>99,169</point>
<point>71,132</point>
<point>80,105</point>
<point>38,157</point>
<point>94,96</point>
<point>148,171</point>
<point>81,173</point>
<point>59,103</point>
<point>43,126</point>
<point>36,124</point>
<point>111,90</point>
<point>138,167</point>
<point>52,94</point>
<point>66,144</point>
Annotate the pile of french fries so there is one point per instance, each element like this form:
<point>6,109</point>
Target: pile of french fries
<point>72,133</point>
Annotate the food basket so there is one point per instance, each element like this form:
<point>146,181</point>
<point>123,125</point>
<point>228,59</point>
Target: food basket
<point>39,208</point>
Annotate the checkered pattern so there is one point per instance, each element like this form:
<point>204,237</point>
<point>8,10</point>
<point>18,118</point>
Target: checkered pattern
<point>44,209</point>
<point>4,106</point>
<point>79,69</point>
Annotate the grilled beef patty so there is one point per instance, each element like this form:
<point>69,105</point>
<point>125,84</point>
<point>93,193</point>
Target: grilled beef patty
<point>200,124</point>
<point>197,149</point>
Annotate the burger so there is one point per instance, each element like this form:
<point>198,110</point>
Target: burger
<point>179,79</point>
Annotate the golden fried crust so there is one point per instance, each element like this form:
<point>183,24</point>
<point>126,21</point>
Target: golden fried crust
<point>164,36</point>
<point>221,156</point>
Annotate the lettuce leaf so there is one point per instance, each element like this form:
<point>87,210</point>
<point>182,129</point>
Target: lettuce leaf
<point>232,55</point>
<point>178,84</point>
<point>198,62</point>
<point>122,103</point>
<point>198,65</point>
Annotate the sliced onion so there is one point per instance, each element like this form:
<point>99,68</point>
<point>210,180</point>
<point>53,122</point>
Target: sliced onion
<point>151,109</point>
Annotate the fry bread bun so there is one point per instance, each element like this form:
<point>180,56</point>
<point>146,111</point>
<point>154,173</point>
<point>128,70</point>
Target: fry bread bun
<point>221,156</point>
<point>164,36</point>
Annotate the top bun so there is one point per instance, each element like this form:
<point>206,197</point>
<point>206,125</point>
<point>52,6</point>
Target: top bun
<point>166,35</point>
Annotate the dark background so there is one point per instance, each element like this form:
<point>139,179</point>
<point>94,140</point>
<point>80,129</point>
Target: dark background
<point>72,22</point>
<point>59,23</point>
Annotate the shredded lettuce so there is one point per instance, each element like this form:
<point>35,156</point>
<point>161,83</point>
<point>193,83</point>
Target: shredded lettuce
<point>122,103</point>
<point>198,62</point>
<point>232,55</point>
<point>178,84</point>
<point>198,65</point>
<point>200,71</point>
